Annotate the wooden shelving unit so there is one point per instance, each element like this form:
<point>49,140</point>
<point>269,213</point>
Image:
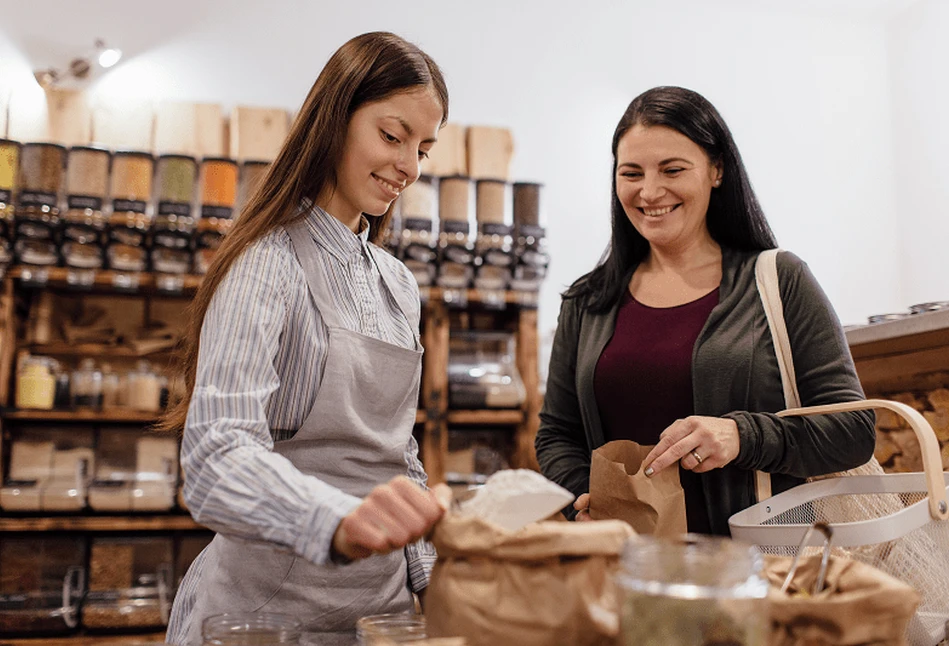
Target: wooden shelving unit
<point>168,522</point>
<point>485,417</point>
<point>433,418</point>
<point>103,280</point>
<point>117,416</point>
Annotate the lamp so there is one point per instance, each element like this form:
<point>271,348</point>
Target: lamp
<point>80,68</point>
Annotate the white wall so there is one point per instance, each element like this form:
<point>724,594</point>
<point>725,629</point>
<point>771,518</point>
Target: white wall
<point>806,95</point>
<point>919,52</point>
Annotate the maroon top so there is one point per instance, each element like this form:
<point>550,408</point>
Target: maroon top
<point>643,379</point>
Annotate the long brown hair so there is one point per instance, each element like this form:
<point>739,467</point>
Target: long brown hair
<point>368,68</point>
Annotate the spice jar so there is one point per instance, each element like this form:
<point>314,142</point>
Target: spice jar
<point>143,388</point>
<point>455,247</point>
<point>38,218</point>
<point>218,195</point>
<point>87,385</point>
<point>692,590</point>
<point>87,185</point>
<point>129,223</point>
<point>250,629</point>
<point>35,384</point>
<point>174,218</point>
<point>416,244</point>
<point>9,166</point>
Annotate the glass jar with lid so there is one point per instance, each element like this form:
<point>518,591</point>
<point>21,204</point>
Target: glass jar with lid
<point>35,383</point>
<point>86,388</point>
<point>143,388</point>
<point>692,590</point>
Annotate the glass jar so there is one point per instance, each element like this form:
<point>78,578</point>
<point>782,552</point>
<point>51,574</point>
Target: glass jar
<point>382,630</point>
<point>9,165</point>
<point>692,590</point>
<point>87,385</point>
<point>40,182</point>
<point>87,185</point>
<point>143,388</point>
<point>130,222</point>
<point>35,384</point>
<point>110,387</point>
<point>250,629</point>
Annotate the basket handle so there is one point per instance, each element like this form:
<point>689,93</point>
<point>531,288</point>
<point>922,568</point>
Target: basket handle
<point>932,462</point>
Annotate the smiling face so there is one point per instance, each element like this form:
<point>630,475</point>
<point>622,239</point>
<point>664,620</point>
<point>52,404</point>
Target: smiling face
<point>385,142</point>
<point>664,181</point>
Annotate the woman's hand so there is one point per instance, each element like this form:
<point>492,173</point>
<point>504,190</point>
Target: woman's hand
<point>390,517</point>
<point>582,505</point>
<point>700,444</point>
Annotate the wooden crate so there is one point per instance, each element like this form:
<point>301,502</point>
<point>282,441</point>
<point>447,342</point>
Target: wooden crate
<point>257,133</point>
<point>195,129</point>
<point>448,156</point>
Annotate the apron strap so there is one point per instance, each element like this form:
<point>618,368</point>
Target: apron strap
<point>306,250</point>
<point>400,297</point>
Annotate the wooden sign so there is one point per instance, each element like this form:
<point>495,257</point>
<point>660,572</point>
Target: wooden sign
<point>490,151</point>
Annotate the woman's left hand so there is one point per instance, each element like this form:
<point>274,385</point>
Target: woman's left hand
<point>699,443</point>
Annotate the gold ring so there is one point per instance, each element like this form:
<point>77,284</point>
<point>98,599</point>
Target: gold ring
<point>698,458</point>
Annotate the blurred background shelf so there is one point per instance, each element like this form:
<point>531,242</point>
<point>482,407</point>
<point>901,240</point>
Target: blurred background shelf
<point>171,522</point>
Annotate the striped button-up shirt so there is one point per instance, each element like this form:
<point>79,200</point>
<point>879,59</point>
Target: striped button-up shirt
<point>261,338</point>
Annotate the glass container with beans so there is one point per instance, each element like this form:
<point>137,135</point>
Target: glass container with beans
<point>42,168</point>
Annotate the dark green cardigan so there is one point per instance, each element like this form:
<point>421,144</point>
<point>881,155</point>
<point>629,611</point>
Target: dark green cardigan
<point>734,374</point>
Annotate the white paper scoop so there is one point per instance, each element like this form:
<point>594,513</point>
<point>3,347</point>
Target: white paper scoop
<point>515,498</point>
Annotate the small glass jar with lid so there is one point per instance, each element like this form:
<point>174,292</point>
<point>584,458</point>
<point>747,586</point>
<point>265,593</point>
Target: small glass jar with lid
<point>35,383</point>
<point>87,385</point>
<point>143,388</point>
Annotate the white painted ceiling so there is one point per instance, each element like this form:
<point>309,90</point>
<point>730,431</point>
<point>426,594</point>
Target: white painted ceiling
<point>51,32</point>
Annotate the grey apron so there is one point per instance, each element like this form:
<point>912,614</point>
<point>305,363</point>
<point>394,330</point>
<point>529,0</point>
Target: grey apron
<point>354,438</point>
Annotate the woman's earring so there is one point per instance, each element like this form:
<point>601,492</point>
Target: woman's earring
<point>718,183</point>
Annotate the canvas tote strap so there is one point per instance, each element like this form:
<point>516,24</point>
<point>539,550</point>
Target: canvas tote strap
<point>766,279</point>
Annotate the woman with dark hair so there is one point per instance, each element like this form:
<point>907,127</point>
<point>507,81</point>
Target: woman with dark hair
<point>302,364</point>
<point>666,342</point>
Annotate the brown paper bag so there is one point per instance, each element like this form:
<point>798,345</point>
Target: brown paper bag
<point>859,605</point>
<point>619,490</point>
<point>547,584</point>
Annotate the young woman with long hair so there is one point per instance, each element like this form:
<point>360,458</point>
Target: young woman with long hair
<point>302,364</point>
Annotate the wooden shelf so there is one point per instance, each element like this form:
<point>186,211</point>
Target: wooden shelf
<point>908,354</point>
<point>99,523</point>
<point>87,640</point>
<point>113,416</point>
<point>104,280</point>
<point>486,417</point>
<point>64,349</point>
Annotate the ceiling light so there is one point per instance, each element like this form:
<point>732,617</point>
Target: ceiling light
<point>108,56</point>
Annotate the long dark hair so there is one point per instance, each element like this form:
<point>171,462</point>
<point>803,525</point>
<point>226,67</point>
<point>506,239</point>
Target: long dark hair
<point>734,219</point>
<point>368,68</point>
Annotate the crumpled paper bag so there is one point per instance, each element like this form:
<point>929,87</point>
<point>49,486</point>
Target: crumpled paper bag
<point>619,490</point>
<point>860,605</point>
<point>548,584</point>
